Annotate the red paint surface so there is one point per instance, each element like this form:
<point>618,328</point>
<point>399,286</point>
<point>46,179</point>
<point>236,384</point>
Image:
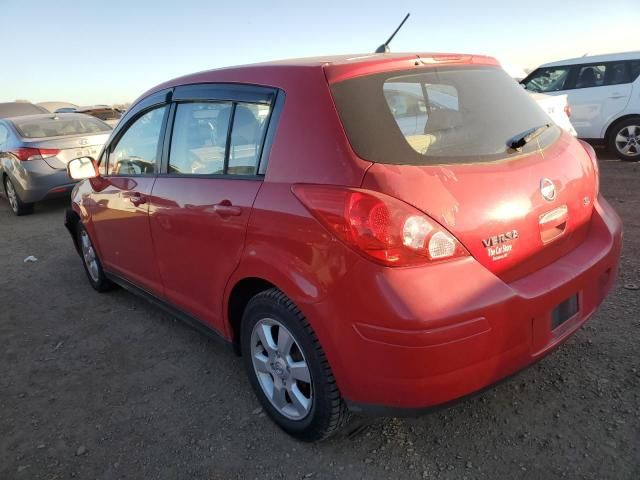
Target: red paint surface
<point>404,337</point>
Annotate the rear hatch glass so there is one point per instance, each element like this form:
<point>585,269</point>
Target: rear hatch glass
<point>440,115</point>
<point>439,138</point>
<point>60,126</point>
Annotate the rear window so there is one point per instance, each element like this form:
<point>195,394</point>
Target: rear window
<point>60,126</point>
<point>438,116</point>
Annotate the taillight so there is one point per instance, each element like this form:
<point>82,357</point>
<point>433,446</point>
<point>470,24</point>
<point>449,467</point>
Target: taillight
<point>380,227</point>
<point>27,153</point>
<point>567,110</point>
<point>594,160</point>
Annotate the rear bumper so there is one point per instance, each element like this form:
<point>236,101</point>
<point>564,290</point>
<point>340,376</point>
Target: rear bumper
<point>417,338</point>
<point>35,180</point>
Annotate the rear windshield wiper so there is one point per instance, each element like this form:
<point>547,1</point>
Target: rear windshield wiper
<point>522,139</point>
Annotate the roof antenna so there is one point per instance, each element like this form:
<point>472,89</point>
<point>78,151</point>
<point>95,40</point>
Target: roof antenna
<point>384,48</point>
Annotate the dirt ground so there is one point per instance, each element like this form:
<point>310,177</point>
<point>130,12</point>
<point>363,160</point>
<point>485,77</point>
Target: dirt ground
<point>108,386</point>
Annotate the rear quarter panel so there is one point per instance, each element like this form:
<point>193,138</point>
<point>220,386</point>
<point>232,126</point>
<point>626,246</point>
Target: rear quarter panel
<point>287,247</point>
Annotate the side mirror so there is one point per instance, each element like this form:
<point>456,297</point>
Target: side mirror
<point>81,168</point>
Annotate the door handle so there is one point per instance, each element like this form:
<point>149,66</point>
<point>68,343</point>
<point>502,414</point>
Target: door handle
<point>137,199</point>
<point>226,209</point>
<point>616,95</point>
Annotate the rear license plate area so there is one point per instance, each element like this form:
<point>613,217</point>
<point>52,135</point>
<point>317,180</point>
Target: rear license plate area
<point>564,311</point>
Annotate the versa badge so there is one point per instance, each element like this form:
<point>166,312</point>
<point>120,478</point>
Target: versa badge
<point>499,246</point>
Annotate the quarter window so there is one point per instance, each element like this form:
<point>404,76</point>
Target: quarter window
<point>249,123</point>
<point>550,79</point>
<point>136,153</point>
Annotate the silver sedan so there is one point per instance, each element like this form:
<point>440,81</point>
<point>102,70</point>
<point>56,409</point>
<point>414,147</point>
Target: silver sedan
<point>35,150</point>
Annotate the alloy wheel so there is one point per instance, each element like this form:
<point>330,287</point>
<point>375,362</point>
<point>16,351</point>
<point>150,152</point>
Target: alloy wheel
<point>12,195</point>
<point>89,256</point>
<point>281,369</point>
<point>627,140</point>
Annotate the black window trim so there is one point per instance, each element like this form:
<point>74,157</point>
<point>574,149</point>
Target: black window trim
<point>630,67</point>
<point>144,106</point>
<point>226,93</point>
<point>270,132</point>
<point>227,143</point>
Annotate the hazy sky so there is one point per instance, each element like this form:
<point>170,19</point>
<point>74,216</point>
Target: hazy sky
<point>109,51</point>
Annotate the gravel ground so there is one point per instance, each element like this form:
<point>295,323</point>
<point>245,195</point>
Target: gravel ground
<point>108,386</point>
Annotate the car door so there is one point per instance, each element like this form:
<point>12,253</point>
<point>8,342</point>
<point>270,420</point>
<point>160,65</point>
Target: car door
<point>201,202</point>
<point>120,207</point>
<point>600,93</point>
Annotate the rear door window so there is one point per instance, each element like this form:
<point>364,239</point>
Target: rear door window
<point>217,138</point>
<point>548,79</point>
<point>199,138</point>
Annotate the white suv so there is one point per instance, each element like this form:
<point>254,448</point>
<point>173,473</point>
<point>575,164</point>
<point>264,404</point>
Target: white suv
<point>604,95</point>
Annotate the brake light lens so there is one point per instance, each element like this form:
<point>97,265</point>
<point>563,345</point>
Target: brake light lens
<point>567,110</point>
<point>25,153</point>
<point>382,228</point>
<point>594,160</point>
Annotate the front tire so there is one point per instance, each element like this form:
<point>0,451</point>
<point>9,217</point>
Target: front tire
<point>624,139</point>
<point>91,262</point>
<point>288,369</point>
<point>18,207</point>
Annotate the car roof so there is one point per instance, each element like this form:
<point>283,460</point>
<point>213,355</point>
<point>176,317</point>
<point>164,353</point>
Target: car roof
<point>93,107</point>
<point>41,116</point>
<point>595,58</point>
<point>12,106</point>
<point>335,67</point>
<point>54,105</point>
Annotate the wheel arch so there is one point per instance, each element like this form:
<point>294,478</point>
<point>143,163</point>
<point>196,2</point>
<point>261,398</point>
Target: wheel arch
<point>71,220</point>
<point>239,296</point>
<point>614,122</point>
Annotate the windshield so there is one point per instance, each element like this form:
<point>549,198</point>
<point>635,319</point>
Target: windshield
<point>60,126</point>
<point>438,116</point>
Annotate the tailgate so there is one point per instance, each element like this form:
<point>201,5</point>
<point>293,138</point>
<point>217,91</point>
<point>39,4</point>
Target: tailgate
<point>498,210</point>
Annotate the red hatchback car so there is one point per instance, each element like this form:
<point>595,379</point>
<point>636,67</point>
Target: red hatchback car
<point>375,234</point>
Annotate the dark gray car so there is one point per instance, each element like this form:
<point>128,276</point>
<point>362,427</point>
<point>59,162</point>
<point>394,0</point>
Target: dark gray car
<point>15,109</point>
<point>35,150</point>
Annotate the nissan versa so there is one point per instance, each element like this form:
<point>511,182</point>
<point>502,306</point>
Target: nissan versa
<point>377,234</point>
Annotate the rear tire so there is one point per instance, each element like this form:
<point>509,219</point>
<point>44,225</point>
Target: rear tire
<point>91,262</point>
<point>18,207</point>
<point>288,369</point>
<point>624,139</point>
